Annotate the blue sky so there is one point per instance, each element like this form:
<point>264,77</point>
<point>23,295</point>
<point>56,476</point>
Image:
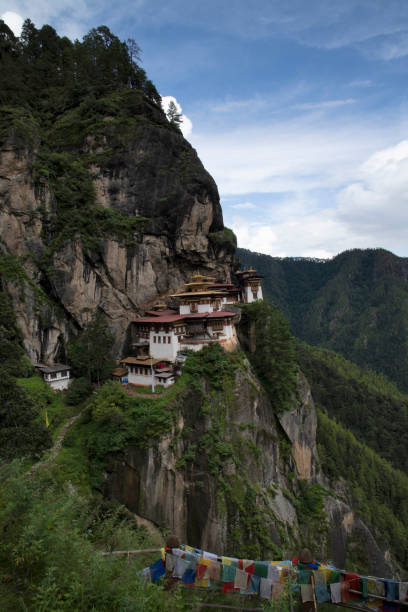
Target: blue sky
<point>298,109</point>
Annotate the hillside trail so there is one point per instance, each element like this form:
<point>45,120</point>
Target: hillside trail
<point>56,448</point>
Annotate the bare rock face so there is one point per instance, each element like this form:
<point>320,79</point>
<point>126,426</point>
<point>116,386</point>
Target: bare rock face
<point>300,424</point>
<point>141,171</point>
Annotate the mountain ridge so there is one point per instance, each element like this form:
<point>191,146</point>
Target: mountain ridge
<point>355,304</point>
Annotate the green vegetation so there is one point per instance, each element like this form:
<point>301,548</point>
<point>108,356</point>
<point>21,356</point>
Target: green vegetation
<point>78,105</point>
<point>53,408</point>
<point>49,73</point>
<point>79,389</point>
<point>379,491</point>
<point>310,501</point>
<point>218,448</point>
<point>224,238</point>
<point>49,551</point>
<point>12,271</point>
<point>371,407</point>
<point>355,304</point>
<point>173,115</point>
<point>113,420</point>
<point>21,431</point>
<point>270,346</point>
<point>76,215</point>
<point>89,352</point>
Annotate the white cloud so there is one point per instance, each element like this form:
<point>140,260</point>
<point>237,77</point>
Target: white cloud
<point>186,125</point>
<point>229,106</point>
<point>377,204</point>
<point>243,205</point>
<point>361,83</point>
<point>369,212</point>
<point>68,17</point>
<point>14,21</point>
<point>313,236</point>
<point>324,104</point>
<point>292,155</point>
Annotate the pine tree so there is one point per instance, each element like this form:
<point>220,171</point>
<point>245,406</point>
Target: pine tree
<point>173,115</point>
<point>90,352</point>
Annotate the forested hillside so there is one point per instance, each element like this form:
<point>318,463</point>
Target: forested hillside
<point>366,403</point>
<point>362,437</point>
<point>355,304</point>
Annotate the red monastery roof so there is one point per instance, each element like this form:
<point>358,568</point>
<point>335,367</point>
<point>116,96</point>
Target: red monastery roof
<point>174,318</point>
<point>159,313</point>
<point>160,319</point>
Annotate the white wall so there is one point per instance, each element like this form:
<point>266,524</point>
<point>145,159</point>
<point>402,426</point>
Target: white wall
<point>249,295</point>
<point>162,349</point>
<point>205,308</point>
<point>184,309</point>
<point>146,380</point>
<point>249,298</point>
<point>139,379</point>
<point>59,384</point>
<point>229,330</point>
<point>191,347</point>
<point>167,381</point>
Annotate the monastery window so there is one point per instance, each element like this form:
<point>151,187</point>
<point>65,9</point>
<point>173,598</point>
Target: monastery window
<point>65,373</point>
<point>217,325</point>
<point>54,375</point>
<point>154,339</point>
<point>168,340</point>
<point>159,339</point>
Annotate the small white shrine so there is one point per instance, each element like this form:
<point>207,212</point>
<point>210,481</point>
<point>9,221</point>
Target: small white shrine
<point>57,376</point>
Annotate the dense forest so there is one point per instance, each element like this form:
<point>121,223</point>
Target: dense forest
<point>50,74</point>
<point>362,437</point>
<point>364,402</point>
<point>355,304</point>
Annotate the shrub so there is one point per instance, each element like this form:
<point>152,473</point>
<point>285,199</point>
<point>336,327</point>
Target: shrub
<point>78,391</point>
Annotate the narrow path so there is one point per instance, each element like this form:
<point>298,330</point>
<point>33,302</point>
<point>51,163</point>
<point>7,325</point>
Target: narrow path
<point>56,448</point>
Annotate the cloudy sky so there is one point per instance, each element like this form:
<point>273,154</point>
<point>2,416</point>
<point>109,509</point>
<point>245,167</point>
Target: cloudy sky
<point>298,108</point>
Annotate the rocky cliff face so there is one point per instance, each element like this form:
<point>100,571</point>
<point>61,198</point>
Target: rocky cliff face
<point>235,478</point>
<point>108,209</point>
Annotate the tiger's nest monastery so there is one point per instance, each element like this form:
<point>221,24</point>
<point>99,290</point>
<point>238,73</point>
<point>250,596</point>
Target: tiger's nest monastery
<point>160,338</point>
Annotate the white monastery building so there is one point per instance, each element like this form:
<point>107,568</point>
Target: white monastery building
<point>56,376</point>
<point>203,318</point>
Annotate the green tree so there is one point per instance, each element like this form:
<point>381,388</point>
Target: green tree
<point>173,115</point>
<point>20,432</point>
<point>89,353</point>
<point>265,333</point>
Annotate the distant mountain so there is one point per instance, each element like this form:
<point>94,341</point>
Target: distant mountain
<point>355,304</point>
<point>370,406</point>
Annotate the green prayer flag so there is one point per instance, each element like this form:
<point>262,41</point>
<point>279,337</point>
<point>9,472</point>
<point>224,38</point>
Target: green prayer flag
<point>261,569</point>
<point>335,576</point>
<point>304,576</point>
<point>228,573</point>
